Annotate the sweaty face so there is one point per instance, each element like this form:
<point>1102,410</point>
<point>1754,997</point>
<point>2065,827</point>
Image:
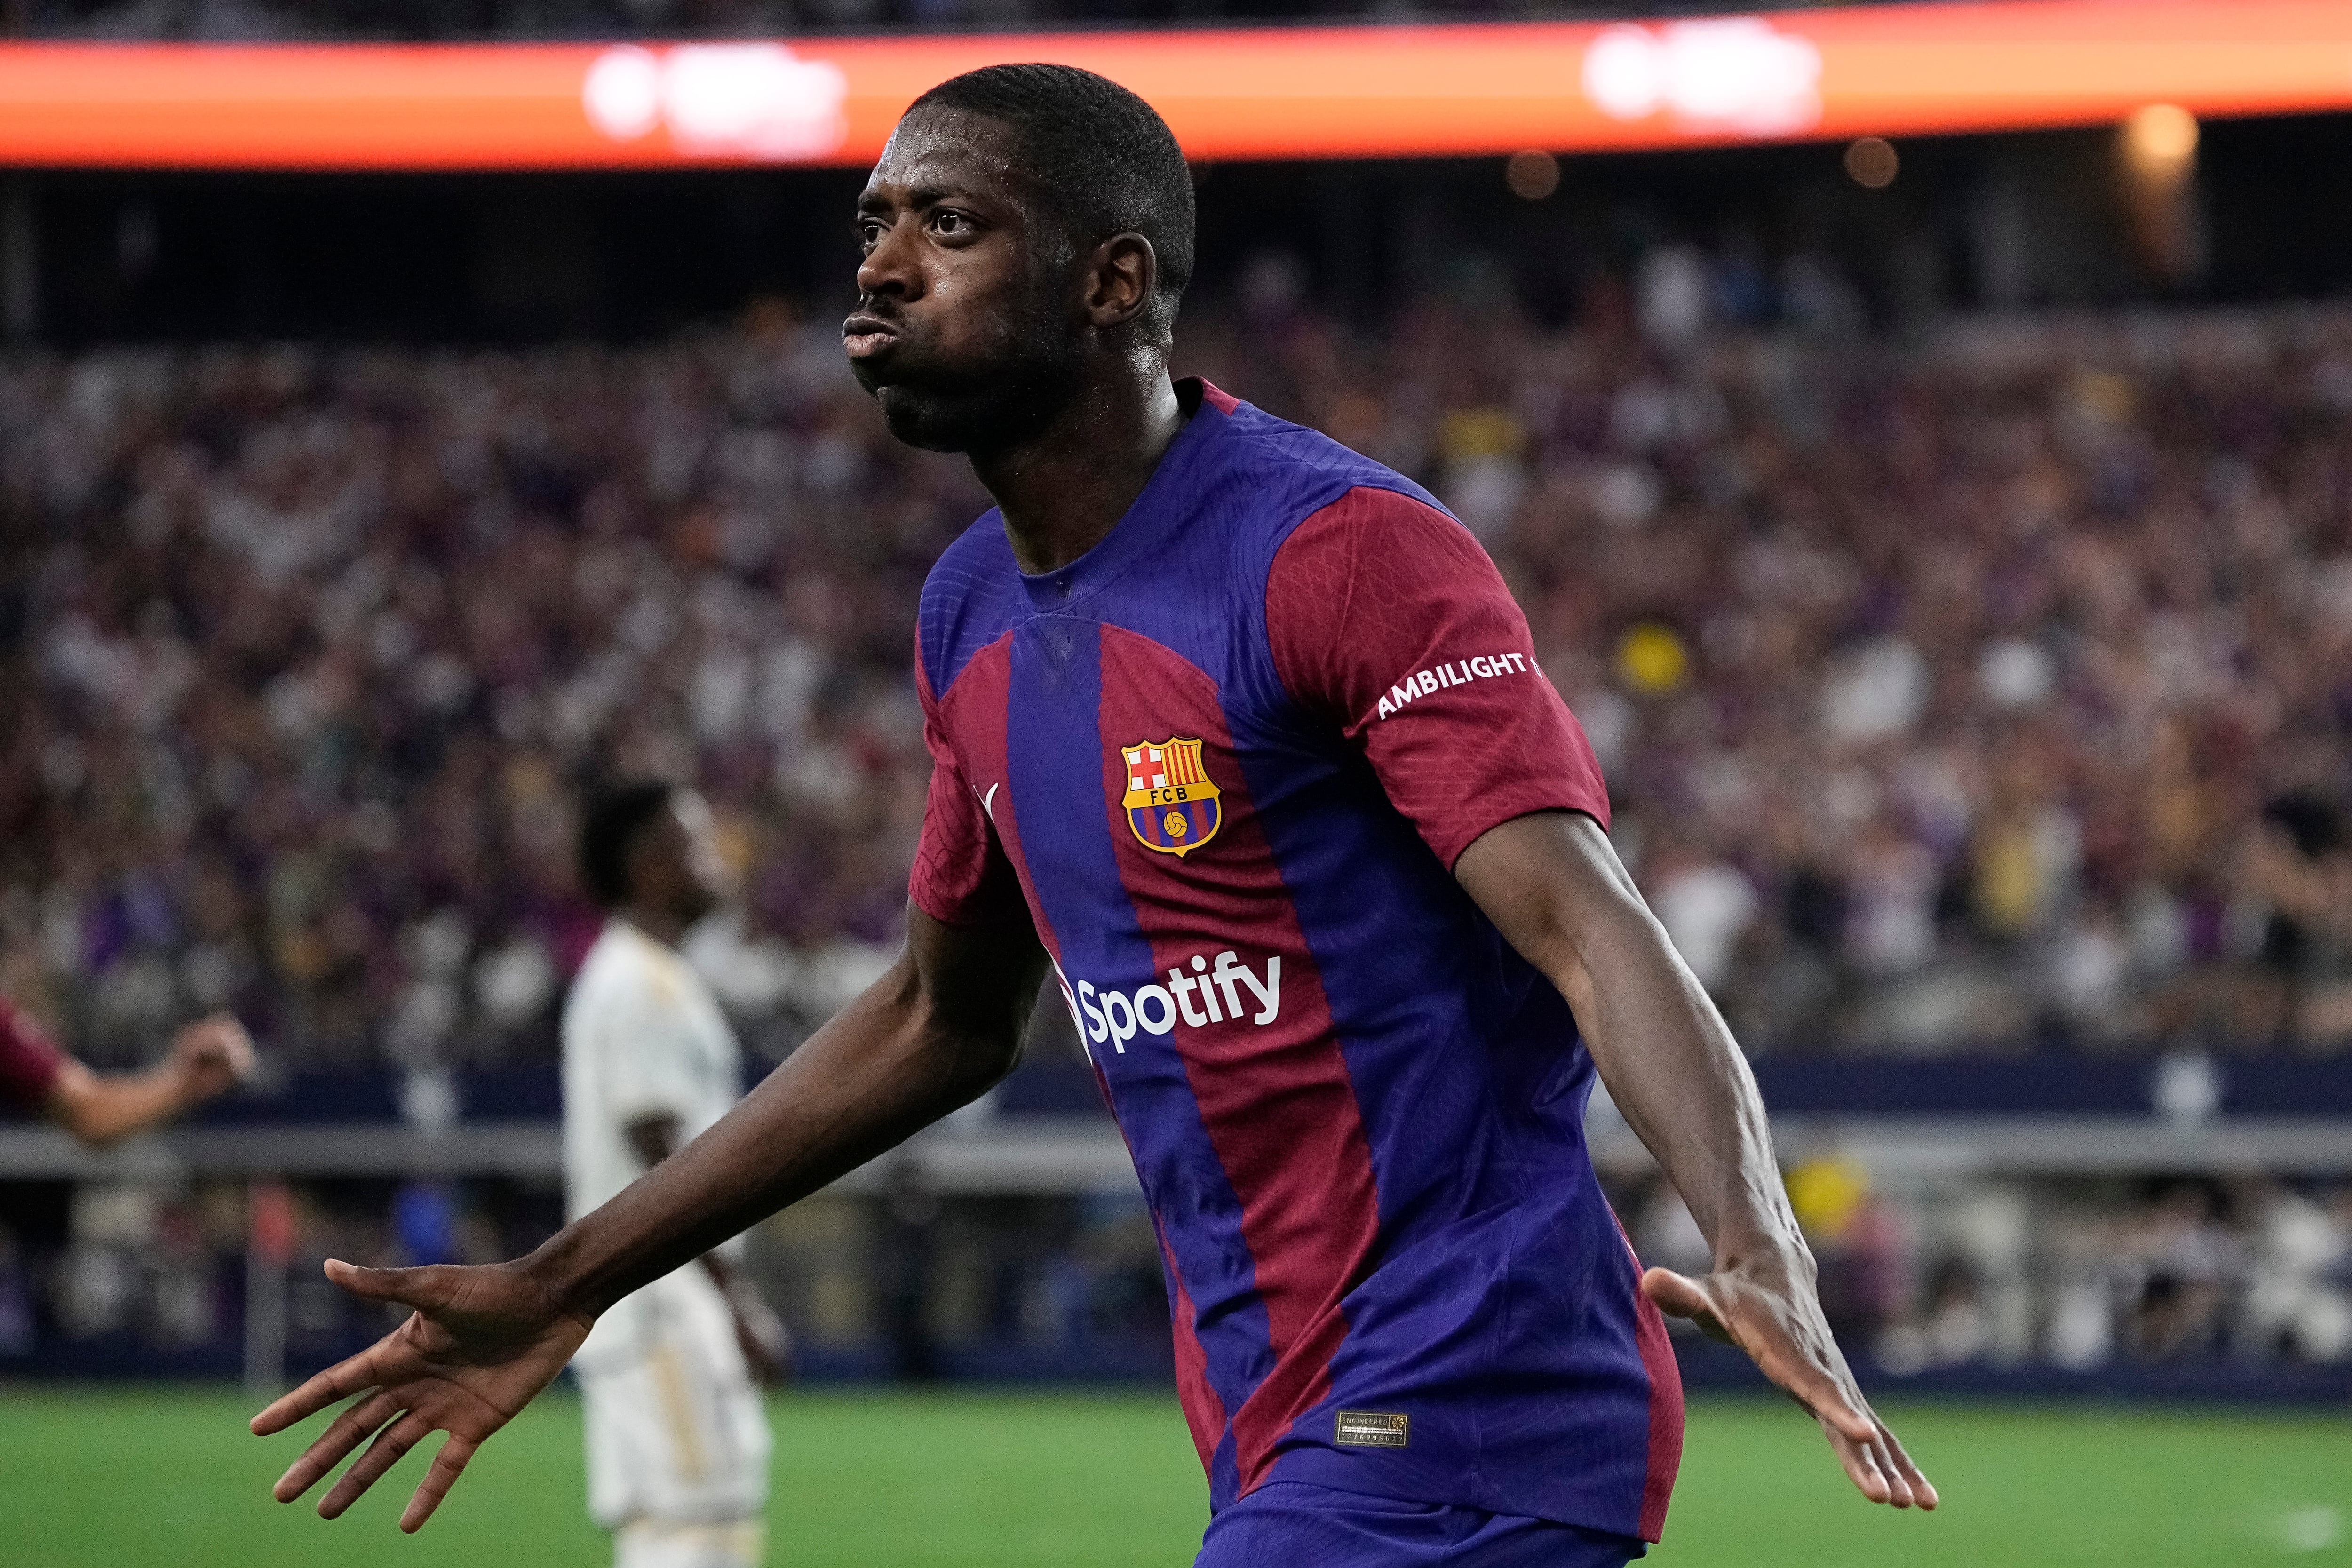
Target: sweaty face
<point>964,330</point>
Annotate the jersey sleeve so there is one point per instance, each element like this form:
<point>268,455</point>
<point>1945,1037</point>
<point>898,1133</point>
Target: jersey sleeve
<point>1386,616</point>
<point>961,876</point>
<point>29,1065</point>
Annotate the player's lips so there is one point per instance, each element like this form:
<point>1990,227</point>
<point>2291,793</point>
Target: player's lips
<point>863,336</point>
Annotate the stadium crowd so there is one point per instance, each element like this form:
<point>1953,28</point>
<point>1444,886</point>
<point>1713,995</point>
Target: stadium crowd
<point>1988,689</point>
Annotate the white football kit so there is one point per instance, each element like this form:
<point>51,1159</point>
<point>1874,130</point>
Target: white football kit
<point>677,1438</point>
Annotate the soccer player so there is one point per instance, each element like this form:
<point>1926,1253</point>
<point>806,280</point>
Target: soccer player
<point>206,1057</point>
<point>1239,736</point>
<point>678,1440</point>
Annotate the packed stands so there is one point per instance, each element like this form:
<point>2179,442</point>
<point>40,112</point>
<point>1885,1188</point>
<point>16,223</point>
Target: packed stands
<point>1942,687</point>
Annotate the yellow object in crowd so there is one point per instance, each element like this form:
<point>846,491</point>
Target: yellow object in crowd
<point>1651,659</point>
<point>1826,1193</point>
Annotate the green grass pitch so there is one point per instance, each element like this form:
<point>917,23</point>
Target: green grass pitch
<point>107,1478</point>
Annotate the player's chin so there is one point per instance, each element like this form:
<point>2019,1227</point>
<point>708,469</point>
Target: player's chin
<point>932,422</point>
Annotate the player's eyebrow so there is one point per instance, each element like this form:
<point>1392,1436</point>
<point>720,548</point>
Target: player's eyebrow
<point>916,198</point>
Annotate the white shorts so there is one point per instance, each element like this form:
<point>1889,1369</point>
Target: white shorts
<point>677,1432</point>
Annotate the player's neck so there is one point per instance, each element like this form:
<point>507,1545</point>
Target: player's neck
<point>1064,489</point>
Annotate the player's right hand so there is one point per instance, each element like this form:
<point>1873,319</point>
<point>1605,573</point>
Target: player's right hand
<point>479,1345</point>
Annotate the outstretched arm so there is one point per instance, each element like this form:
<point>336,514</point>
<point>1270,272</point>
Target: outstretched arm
<point>935,1032</point>
<point>1554,887</point>
<point>99,1109</point>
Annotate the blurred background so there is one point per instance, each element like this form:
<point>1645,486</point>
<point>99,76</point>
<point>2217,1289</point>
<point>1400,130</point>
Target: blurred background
<point>1945,538</point>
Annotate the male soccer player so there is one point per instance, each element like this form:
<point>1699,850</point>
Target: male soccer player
<point>1239,735</point>
<point>97,1109</point>
<point>678,1441</point>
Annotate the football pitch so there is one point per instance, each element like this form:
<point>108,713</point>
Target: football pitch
<point>959,1479</point>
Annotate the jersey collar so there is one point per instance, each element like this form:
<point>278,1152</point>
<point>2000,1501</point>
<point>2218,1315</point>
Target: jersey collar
<point>1161,509</point>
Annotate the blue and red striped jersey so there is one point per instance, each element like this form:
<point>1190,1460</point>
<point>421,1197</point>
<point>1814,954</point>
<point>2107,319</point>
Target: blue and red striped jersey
<point>1228,758</point>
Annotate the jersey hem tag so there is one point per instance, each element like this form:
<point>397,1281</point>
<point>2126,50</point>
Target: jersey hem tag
<point>1369,1429</point>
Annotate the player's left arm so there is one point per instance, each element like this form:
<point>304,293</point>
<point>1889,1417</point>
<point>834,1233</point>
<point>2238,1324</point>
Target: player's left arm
<point>1385,618</point>
<point>1553,886</point>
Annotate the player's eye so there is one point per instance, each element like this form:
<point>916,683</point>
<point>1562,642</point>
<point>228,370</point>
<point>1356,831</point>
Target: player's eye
<point>950,223</point>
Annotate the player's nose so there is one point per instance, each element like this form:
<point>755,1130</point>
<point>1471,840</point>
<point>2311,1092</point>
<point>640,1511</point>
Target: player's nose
<point>889,270</point>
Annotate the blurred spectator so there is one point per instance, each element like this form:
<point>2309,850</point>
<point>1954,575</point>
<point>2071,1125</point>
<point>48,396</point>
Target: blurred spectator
<point>205,1058</point>
<point>2298,862</point>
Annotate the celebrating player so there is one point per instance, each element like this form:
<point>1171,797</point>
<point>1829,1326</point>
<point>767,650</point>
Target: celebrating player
<point>677,1442</point>
<point>1239,735</point>
<point>206,1057</point>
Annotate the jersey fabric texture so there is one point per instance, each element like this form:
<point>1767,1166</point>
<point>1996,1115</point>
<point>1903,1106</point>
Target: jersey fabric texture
<point>675,1432</point>
<point>1228,758</point>
<point>1289,1523</point>
<point>29,1065</point>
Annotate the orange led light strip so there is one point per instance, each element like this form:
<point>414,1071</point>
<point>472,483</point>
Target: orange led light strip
<point>1292,92</point>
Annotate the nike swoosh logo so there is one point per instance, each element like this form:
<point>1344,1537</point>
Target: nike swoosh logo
<point>988,800</point>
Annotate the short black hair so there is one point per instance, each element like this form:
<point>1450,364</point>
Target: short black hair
<point>1102,156</point>
<point>615,816</point>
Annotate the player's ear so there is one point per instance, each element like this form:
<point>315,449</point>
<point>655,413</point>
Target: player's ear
<point>1121,274</point>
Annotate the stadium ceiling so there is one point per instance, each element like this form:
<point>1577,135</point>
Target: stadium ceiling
<point>1287,92</point>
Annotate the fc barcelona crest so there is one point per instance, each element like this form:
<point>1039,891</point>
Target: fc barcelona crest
<point>1170,804</point>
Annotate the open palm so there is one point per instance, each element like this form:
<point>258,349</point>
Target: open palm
<point>478,1346</point>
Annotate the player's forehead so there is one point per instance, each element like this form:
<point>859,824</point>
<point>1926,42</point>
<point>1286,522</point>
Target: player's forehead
<point>938,155</point>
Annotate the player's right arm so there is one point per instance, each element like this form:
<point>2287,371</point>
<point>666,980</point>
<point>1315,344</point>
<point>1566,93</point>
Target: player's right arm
<point>934,1033</point>
<point>767,1348</point>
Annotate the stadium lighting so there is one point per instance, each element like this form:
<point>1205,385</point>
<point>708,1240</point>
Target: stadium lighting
<point>2160,139</point>
<point>1466,89</point>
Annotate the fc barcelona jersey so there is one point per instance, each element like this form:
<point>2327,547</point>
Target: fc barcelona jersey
<point>1228,758</point>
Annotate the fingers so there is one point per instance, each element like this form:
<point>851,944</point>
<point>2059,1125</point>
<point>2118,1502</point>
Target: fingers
<point>235,1044</point>
<point>426,1288</point>
<point>383,1454</point>
<point>1679,1297</point>
<point>1860,1466</point>
<point>219,1038</point>
<point>1881,1470</point>
<point>1824,1394</point>
<point>1923,1492</point>
<point>345,1378</point>
<point>325,1454</point>
<point>447,1465</point>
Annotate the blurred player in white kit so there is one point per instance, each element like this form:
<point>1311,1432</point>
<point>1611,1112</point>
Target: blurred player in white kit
<point>678,1440</point>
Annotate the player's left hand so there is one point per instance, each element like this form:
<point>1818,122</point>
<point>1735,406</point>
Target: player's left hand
<point>210,1056</point>
<point>1767,1308</point>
